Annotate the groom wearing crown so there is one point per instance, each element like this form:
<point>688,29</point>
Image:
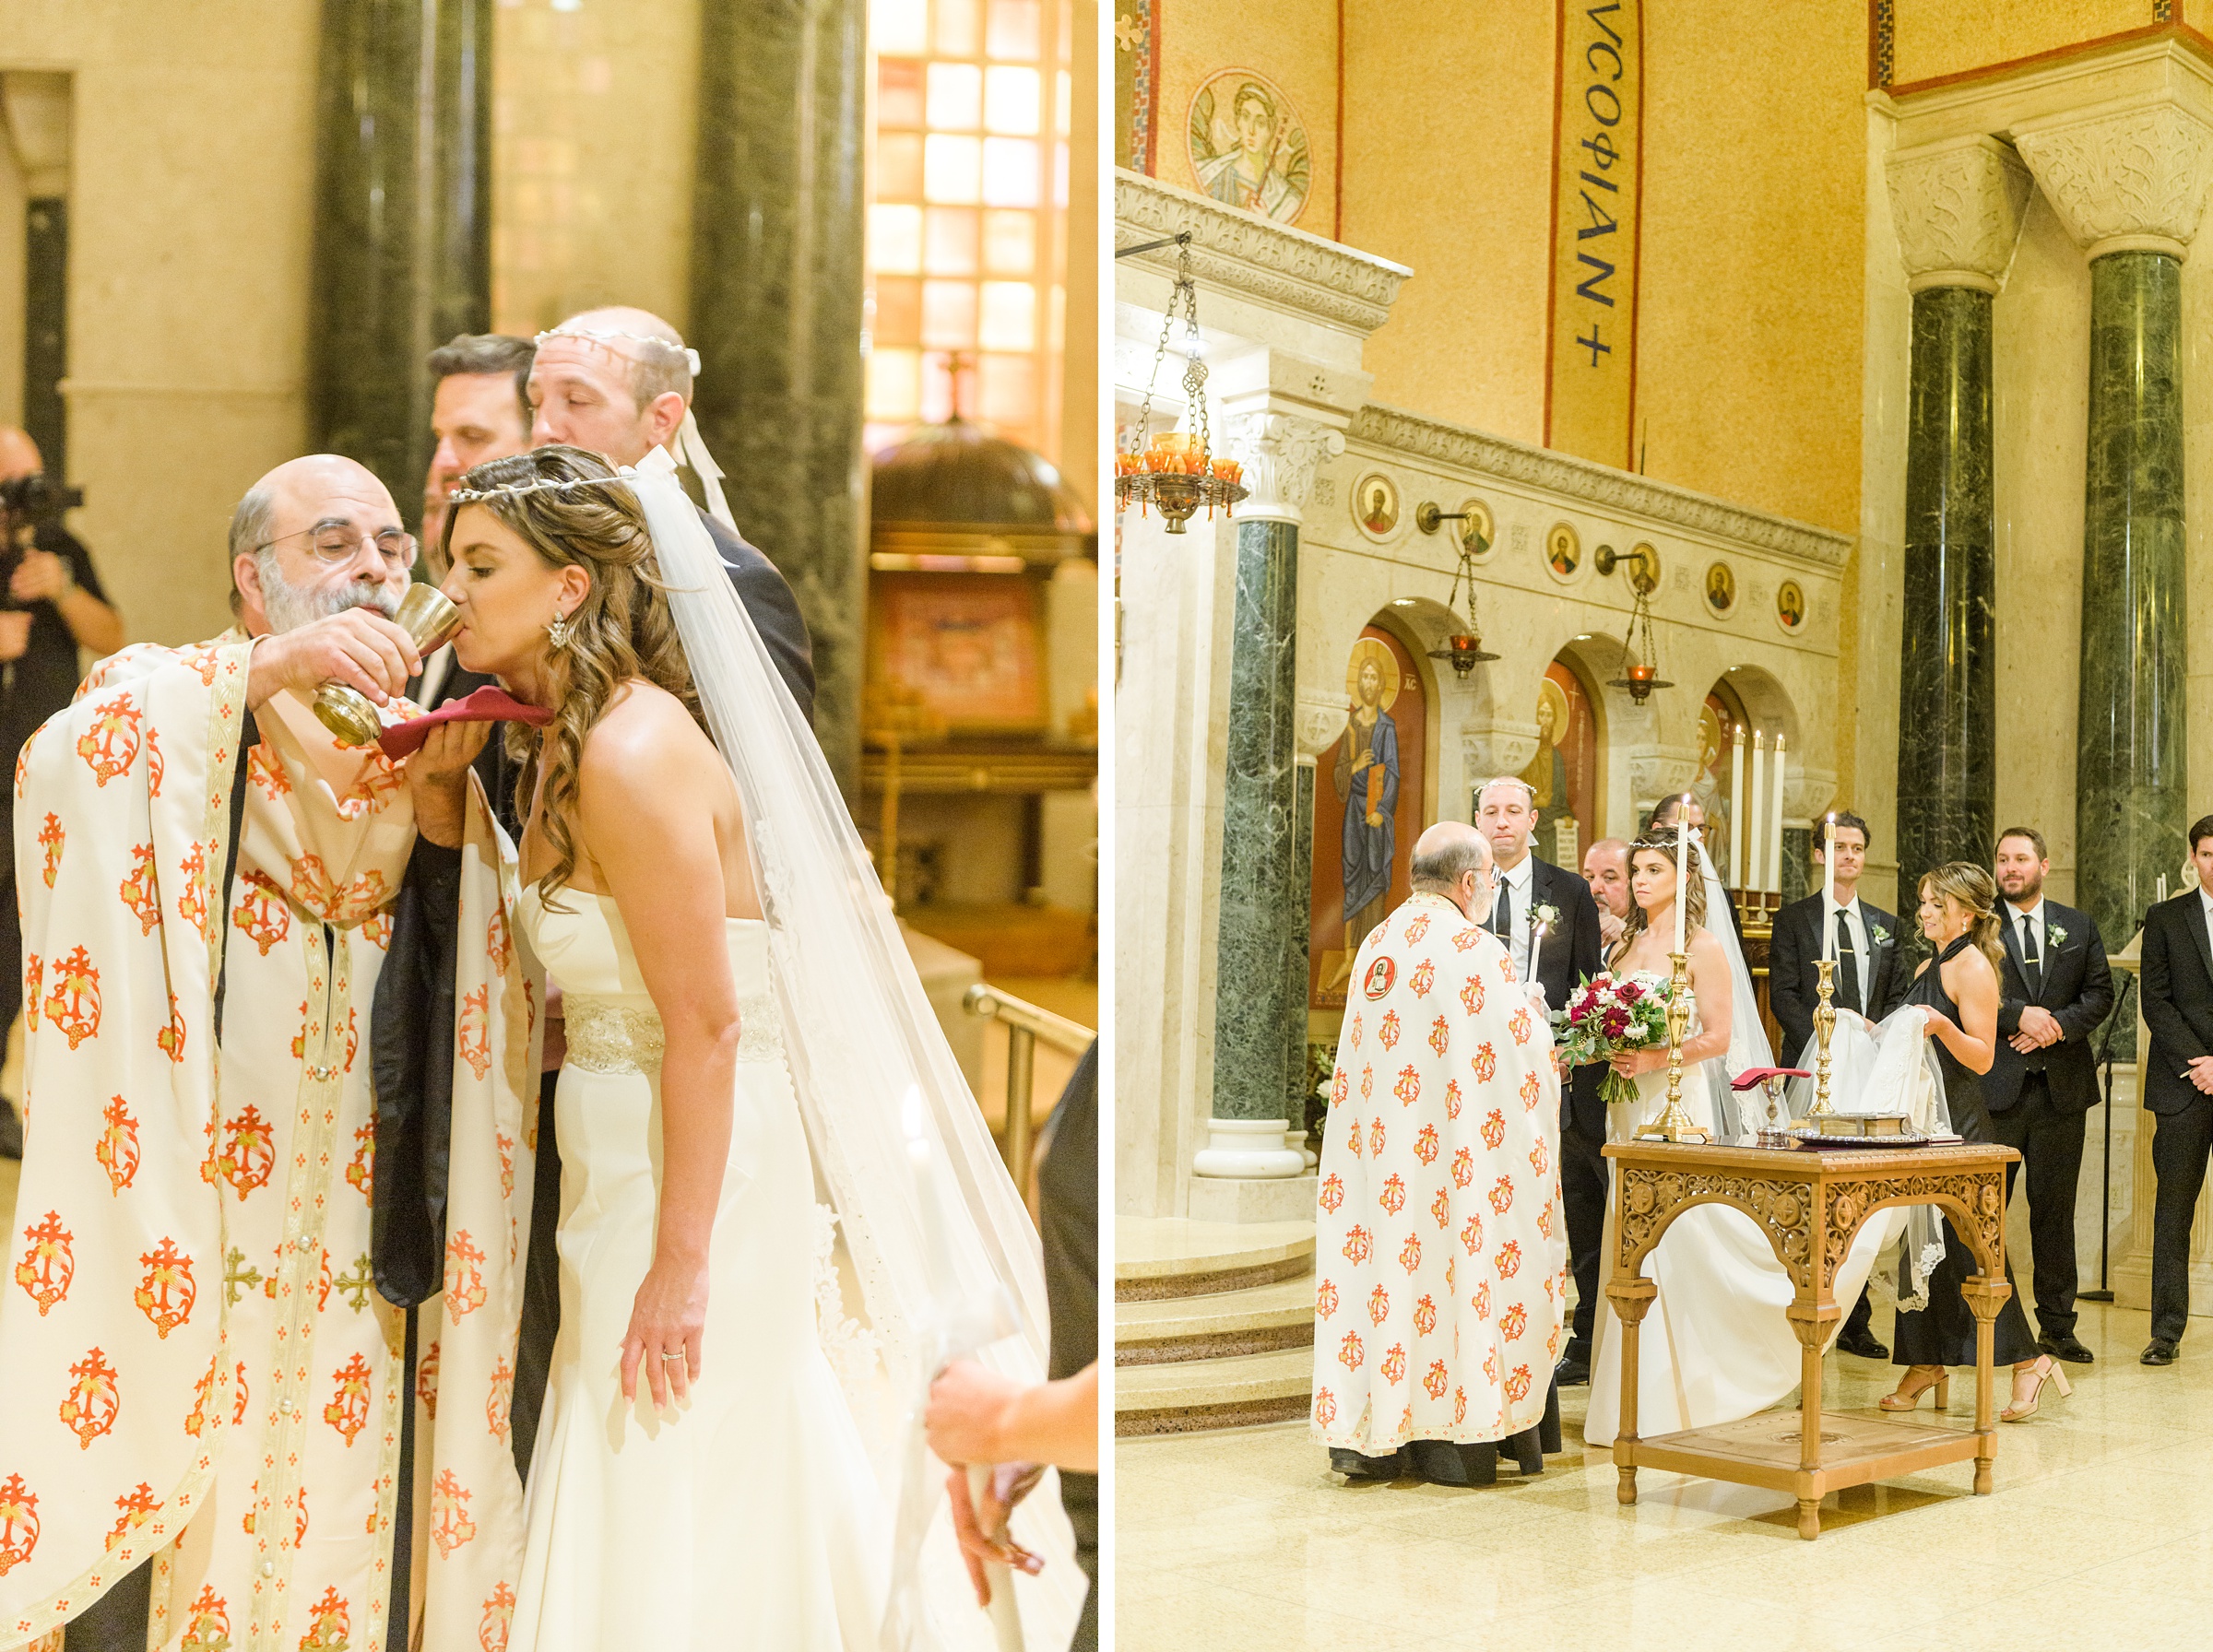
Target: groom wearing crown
<point>217,1414</point>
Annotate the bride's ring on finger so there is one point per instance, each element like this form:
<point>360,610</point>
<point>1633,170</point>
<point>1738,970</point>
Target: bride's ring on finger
<point>678,1355</point>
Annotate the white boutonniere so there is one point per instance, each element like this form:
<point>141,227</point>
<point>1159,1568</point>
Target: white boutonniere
<point>1541,920</point>
<point>1880,934</point>
<point>2056,935</point>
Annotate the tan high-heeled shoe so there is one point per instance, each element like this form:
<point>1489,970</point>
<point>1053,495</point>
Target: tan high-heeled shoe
<point>1909,1391</point>
<point>2044,1372</point>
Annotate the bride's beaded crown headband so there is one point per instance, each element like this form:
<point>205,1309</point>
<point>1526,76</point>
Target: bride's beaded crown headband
<point>462,496</point>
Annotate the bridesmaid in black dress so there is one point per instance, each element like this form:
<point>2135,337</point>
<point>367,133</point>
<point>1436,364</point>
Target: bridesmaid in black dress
<point>1960,994</point>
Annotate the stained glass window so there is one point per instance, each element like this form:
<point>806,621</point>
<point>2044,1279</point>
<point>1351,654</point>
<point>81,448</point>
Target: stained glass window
<point>968,195</point>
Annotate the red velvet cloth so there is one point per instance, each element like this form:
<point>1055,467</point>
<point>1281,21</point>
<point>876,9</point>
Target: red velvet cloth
<point>490,703</point>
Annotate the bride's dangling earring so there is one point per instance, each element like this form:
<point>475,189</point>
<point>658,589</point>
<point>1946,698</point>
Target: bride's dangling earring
<point>561,628</point>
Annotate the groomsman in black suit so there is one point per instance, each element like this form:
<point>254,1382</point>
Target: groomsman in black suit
<point>1870,980</point>
<point>2056,990</point>
<point>1545,916</point>
<point>2178,1085</point>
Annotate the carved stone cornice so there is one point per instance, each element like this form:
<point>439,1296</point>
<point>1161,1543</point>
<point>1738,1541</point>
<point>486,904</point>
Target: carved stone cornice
<point>1477,454</point>
<point>1280,453</point>
<point>2124,179</point>
<point>1957,207</point>
<point>1497,749</point>
<point>1255,257</point>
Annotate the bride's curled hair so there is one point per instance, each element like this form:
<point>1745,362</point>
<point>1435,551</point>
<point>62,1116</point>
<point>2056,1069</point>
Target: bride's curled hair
<point>1690,890</point>
<point>1977,892</point>
<point>622,629</point>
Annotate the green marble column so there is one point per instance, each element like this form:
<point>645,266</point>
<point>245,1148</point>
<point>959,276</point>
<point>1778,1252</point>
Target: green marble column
<point>1296,959</point>
<point>2130,810</point>
<point>1794,876</point>
<point>46,329</point>
<point>1948,700</point>
<point>776,220</point>
<point>1259,1005</point>
<point>403,222</point>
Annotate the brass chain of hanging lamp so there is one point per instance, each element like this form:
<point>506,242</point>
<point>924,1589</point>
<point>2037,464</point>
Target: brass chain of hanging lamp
<point>1463,648</point>
<point>1176,472</point>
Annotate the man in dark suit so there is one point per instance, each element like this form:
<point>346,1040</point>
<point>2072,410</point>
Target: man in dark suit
<point>2178,1085</point>
<point>1870,980</point>
<point>1549,923</point>
<point>2057,990</point>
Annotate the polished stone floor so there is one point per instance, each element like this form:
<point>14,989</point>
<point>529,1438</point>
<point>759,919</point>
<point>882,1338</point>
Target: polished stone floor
<point>2099,1533</point>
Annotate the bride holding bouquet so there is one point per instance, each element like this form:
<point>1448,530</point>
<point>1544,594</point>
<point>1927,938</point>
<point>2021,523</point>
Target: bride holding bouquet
<point>1716,1343</point>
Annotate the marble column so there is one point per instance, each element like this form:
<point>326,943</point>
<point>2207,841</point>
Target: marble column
<point>1957,207</point>
<point>1298,958</point>
<point>1260,989</point>
<point>776,220</point>
<point>402,254</point>
<point>2130,188</point>
<point>37,108</point>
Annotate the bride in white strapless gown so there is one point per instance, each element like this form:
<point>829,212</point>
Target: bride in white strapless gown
<point>743,1025</point>
<point>1715,1344</point>
<point>635,1537</point>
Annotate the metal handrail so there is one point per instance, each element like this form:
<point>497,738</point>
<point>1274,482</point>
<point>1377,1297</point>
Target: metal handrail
<point>1025,1023</point>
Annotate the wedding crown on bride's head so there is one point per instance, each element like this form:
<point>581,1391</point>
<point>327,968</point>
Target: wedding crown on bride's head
<point>463,496</point>
<point>610,335</point>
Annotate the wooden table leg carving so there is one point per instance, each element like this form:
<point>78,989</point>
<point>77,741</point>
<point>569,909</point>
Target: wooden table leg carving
<point>1985,1295</point>
<point>1810,1317</point>
<point>1630,1300</point>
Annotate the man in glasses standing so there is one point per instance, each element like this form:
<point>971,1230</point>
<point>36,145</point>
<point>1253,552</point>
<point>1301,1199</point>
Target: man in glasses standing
<point>52,606</point>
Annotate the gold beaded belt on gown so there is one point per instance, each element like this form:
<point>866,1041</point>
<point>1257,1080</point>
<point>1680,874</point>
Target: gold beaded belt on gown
<point>606,1035</point>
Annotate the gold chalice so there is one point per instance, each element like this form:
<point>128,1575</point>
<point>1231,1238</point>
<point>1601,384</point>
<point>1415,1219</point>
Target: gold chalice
<point>427,617</point>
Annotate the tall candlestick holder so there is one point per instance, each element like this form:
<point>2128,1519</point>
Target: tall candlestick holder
<point>1674,1124</point>
<point>1824,1028</point>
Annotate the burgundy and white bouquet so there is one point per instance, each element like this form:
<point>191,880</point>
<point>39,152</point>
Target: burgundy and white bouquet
<point>1606,1017</point>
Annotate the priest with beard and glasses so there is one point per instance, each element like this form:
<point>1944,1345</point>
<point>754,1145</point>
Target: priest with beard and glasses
<point>222,1429</point>
<point>1440,1237</point>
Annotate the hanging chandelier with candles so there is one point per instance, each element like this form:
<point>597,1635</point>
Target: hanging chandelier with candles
<point>1639,661</point>
<point>1176,472</point>
<point>1463,648</point>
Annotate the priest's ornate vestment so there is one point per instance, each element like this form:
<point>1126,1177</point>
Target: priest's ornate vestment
<point>1441,1242</point>
<point>199,1367</point>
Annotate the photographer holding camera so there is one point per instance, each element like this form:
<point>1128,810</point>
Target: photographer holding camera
<point>52,606</point>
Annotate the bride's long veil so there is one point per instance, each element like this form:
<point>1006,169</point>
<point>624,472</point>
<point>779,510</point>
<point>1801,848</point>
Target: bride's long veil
<point>863,1045</point>
<point>1748,1038</point>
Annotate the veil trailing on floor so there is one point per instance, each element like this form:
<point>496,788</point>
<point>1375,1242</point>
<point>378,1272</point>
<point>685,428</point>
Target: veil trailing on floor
<point>931,1220</point>
<point>1748,1038</point>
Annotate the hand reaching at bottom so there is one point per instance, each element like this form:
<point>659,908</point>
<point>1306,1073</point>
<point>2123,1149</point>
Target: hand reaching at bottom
<point>1009,1484</point>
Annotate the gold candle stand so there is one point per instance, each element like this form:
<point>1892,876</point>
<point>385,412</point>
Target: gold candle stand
<point>1824,1028</point>
<point>1674,1124</point>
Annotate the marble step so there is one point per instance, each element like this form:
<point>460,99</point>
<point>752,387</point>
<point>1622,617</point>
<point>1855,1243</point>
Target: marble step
<point>1185,1396</point>
<point>1175,1329</point>
<point>1171,1256</point>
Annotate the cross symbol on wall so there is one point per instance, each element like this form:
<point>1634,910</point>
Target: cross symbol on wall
<point>237,1278</point>
<point>355,1285</point>
<point>1592,344</point>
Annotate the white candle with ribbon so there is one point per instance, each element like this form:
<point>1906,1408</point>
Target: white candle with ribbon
<point>1756,813</point>
<point>1683,871</point>
<point>1736,805</point>
<point>1828,861</point>
<point>1774,859</point>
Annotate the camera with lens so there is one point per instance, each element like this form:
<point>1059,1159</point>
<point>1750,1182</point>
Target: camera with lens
<point>36,498</point>
<point>27,504</point>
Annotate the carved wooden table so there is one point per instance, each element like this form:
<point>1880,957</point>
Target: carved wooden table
<point>1809,1205</point>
